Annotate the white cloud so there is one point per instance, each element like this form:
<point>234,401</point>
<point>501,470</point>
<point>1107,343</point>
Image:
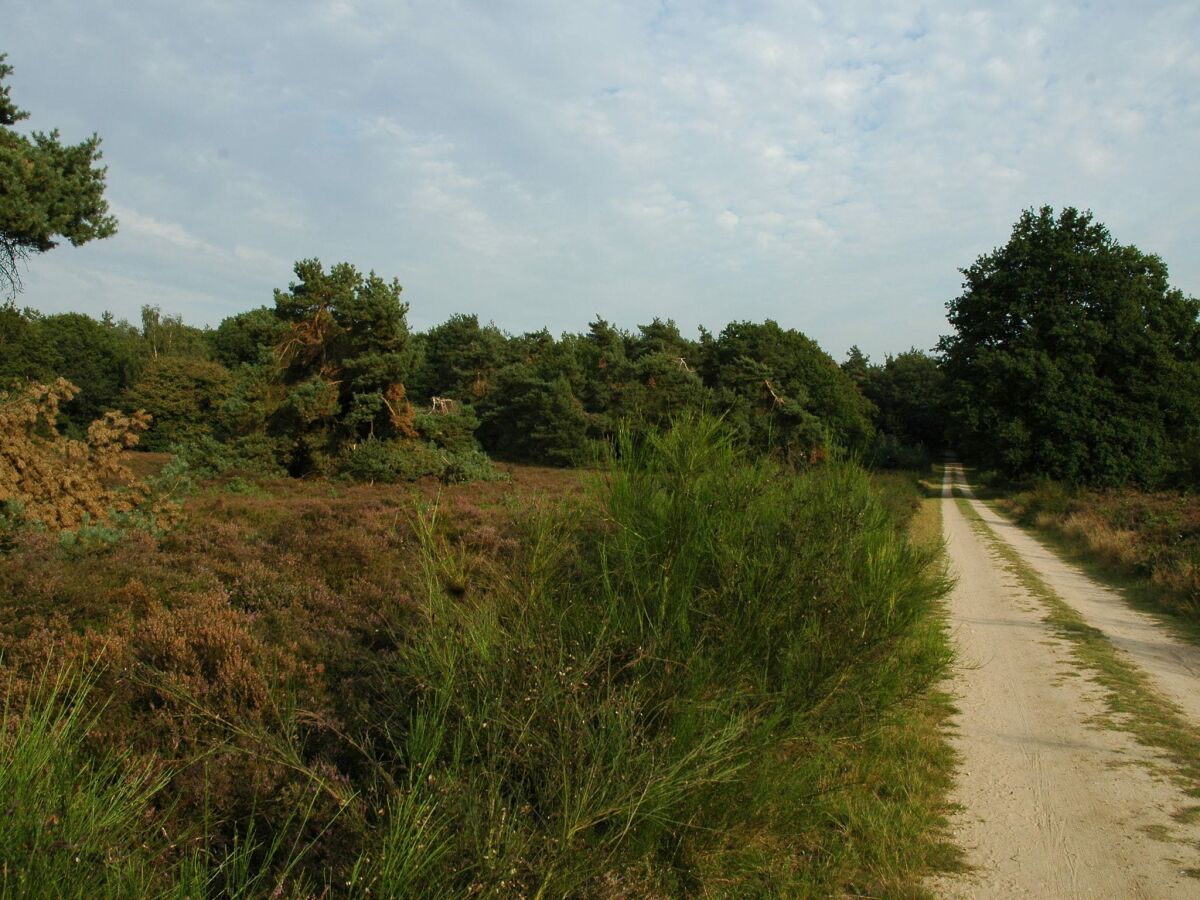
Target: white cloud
<point>143,226</point>
<point>830,166</point>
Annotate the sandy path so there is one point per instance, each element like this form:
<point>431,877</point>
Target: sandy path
<point>1173,664</point>
<point>1052,806</point>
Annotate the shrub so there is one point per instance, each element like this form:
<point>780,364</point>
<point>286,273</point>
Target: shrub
<point>253,455</point>
<point>1045,500</point>
<point>525,417</point>
<point>57,482</point>
<point>391,460</point>
<point>626,705</point>
<point>452,431</point>
<point>182,394</point>
<point>469,465</point>
<point>632,695</point>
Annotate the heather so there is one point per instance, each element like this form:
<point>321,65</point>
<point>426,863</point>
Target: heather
<point>686,671</point>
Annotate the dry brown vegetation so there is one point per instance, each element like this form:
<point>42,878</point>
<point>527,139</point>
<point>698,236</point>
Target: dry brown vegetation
<point>210,641</point>
<point>1155,536</point>
<point>58,482</point>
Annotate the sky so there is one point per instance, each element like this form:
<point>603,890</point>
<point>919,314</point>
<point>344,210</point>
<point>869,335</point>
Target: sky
<point>830,166</point>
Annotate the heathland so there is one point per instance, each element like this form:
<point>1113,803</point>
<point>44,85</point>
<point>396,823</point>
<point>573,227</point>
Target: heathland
<point>311,604</point>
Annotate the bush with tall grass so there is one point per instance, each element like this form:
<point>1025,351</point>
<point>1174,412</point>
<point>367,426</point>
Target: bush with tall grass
<point>678,682</point>
<point>633,709</point>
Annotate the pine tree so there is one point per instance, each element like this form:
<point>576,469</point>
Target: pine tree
<point>48,190</point>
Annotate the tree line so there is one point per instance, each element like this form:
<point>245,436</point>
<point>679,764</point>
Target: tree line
<point>330,379</point>
<point>1070,357</point>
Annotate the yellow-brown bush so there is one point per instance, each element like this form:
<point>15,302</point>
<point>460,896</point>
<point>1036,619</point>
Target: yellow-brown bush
<point>58,482</point>
<point>1155,536</point>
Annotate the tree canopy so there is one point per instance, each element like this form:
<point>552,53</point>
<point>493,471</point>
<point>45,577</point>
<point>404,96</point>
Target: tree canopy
<point>1072,357</point>
<point>344,360</point>
<point>48,190</point>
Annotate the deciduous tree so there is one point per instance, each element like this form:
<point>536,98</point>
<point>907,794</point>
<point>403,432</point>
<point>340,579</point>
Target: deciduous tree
<point>1072,356</point>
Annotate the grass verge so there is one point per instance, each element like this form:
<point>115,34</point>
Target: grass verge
<point>1145,544</point>
<point>905,771</point>
<point>1146,594</point>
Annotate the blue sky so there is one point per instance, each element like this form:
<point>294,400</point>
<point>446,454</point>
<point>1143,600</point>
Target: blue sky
<point>830,166</point>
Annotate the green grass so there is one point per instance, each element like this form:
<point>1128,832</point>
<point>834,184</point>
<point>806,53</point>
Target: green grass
<point>71,826</point>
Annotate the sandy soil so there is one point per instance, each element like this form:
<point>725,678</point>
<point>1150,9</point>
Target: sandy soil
<point>1173,664</point>
<point>1052,806</point>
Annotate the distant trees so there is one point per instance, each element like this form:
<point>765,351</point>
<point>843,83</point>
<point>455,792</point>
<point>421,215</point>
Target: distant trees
<point>48,190</point>
<point>330,380</point>
<point>909,395</point>
<point>459,359</point>
<point>248,338</point>
<point>1072,357</point>
<point>183,395</point>
<point>170,336</point>
<point>102,356</point>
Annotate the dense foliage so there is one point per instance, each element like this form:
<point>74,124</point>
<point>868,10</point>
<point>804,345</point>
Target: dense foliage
<point>908,399</point>
<point>1073,358</point>
<point>48,190</point>
<point>330,380</point>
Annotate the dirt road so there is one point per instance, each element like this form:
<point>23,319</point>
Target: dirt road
<point>1054,804</point>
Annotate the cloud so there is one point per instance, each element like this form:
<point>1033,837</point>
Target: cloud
<point>170,232</point>
<point>829,166</point>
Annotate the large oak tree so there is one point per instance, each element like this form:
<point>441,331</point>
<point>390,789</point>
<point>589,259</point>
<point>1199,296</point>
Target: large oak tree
<point>1073,358</point>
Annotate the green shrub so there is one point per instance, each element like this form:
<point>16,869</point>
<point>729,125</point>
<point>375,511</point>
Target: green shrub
<point>468,465</point>
<point>528,418</point>
<point>254,455</point>
<point>1045,497</point>
<point>454,432</point>
<point>182,395</point>
<point>391,460</point>
<point>624,708</point>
